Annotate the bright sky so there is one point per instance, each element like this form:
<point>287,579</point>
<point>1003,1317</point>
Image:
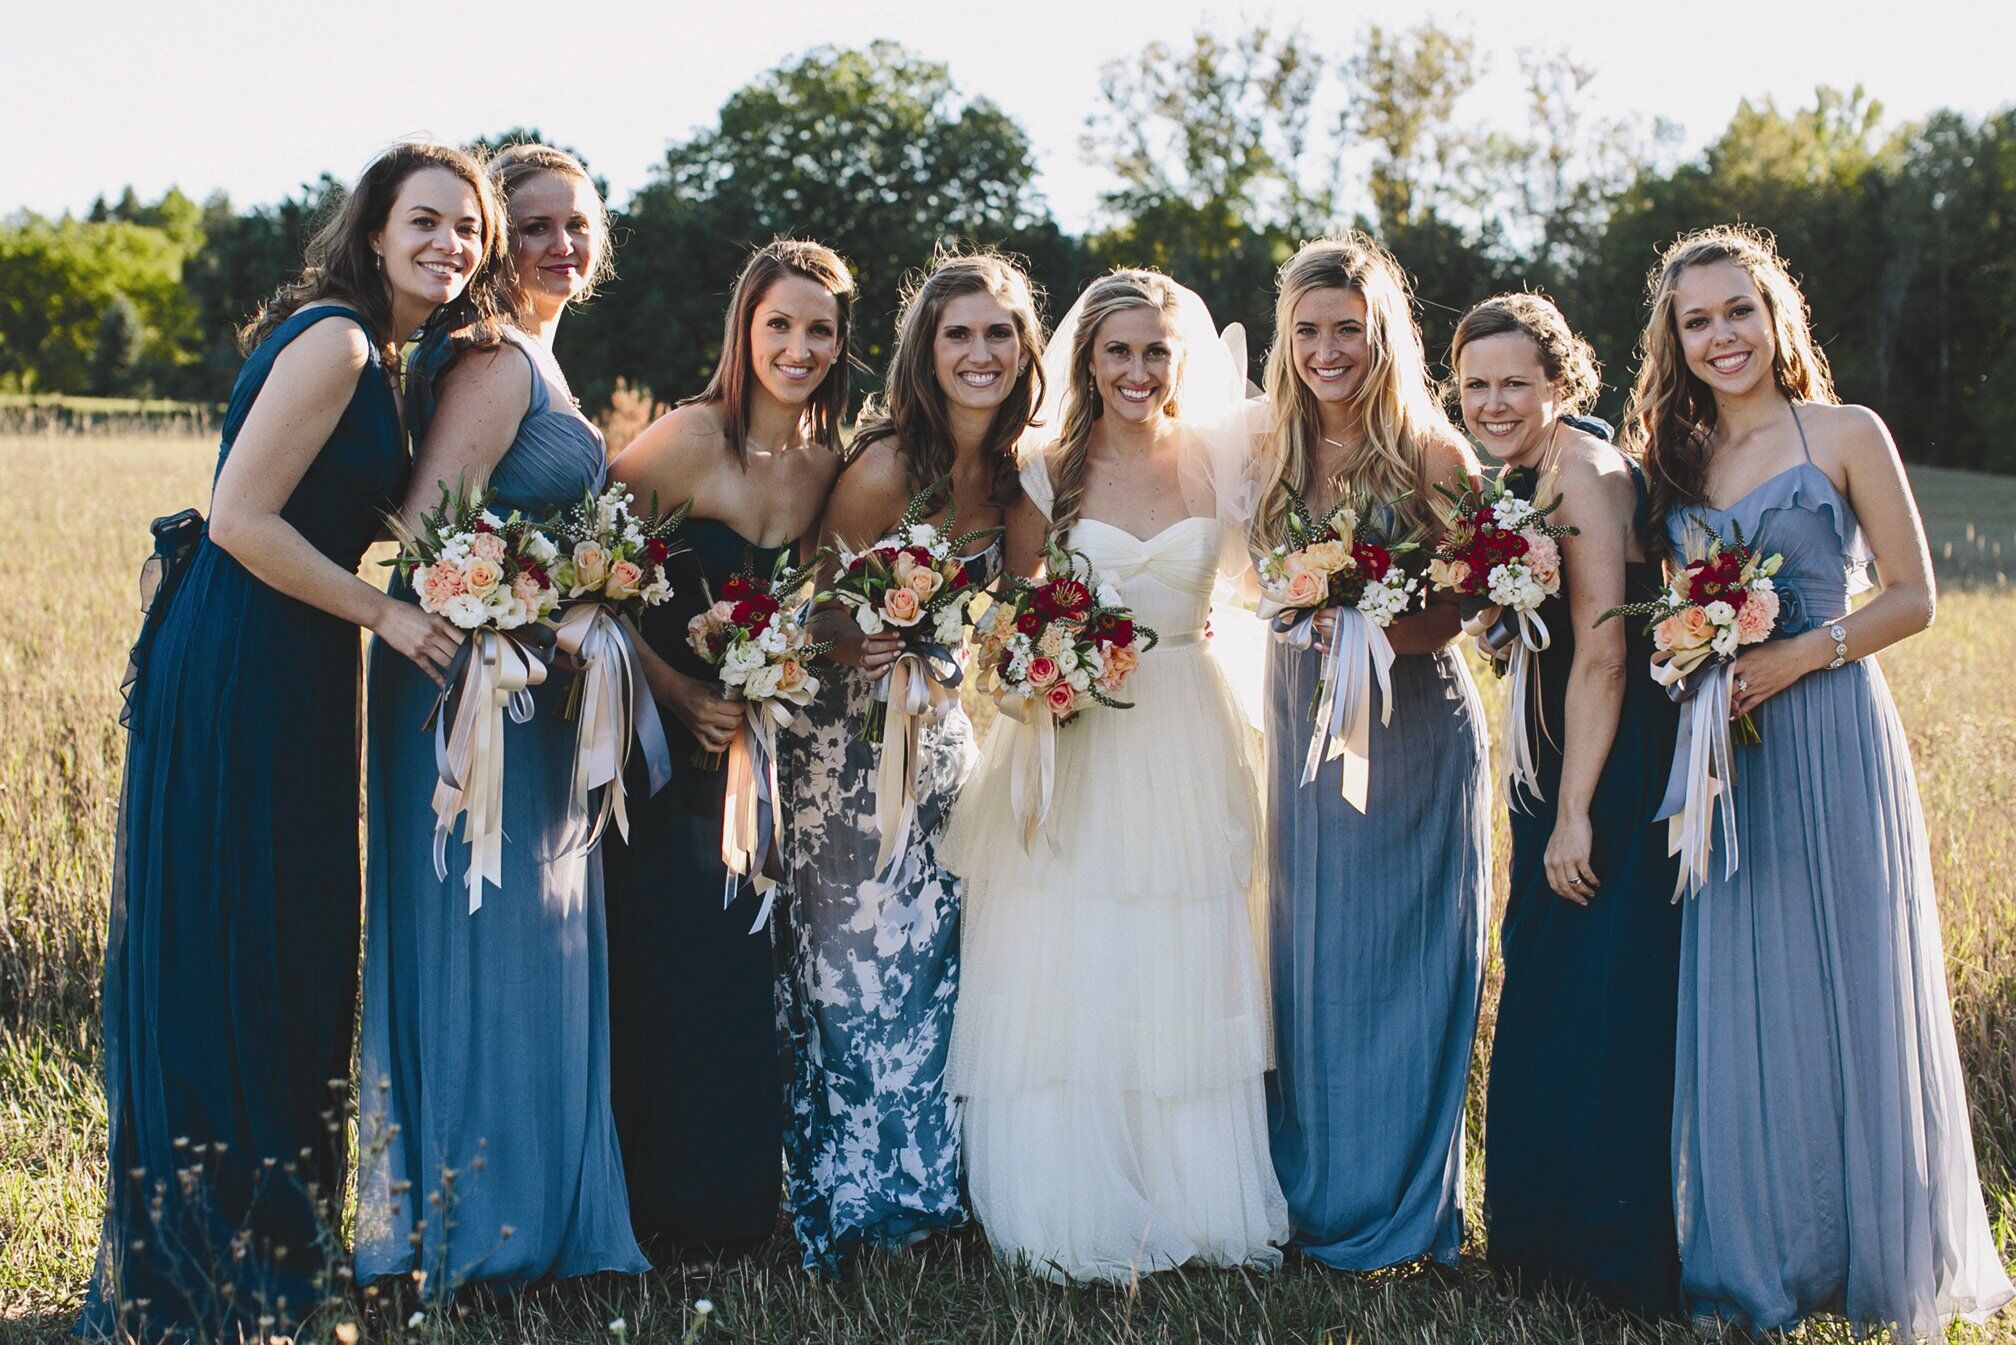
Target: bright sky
<point>257,96</point>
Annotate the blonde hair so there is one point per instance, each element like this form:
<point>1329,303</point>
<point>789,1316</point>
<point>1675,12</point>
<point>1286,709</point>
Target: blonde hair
<point>912,408</point>
<point>1672,413</point>
<point>1395,403</point>
<point>1115,292</point>
<point>515,165</point>
<point>1565,358</point>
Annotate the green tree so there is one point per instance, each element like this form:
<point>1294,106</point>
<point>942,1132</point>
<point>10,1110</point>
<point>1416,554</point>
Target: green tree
<point>57,279</point>
<point>116,351</point>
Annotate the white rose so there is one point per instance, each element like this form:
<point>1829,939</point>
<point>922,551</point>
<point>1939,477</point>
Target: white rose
<point>540,548</point>
<point>465,610</point>
<point>775,639</point>
<point>742,657</point>
<point>762,683</point>
<point>1720,612</point>
<point>1079,679</point>
<point>1067,660</point>
<point>869,620</point>
<point>1725,642</point>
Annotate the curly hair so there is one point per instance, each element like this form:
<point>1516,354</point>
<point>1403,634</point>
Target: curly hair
<point>1672,414</point>
<point>515,165</point>
<point>1566,359</point>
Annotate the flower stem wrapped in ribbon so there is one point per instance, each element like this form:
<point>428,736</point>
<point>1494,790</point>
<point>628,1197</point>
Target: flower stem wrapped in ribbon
<point>1721,599</point>
<point>755,636</point>
<point>913,583</point>
<point>1333,563</point>
<point>611,567</point>
<point>487,574</point>
<point>1502,559</point>
<point>1050,648</point>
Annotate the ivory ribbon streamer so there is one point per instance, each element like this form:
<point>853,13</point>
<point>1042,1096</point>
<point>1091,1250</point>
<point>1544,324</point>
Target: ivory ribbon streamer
<point>1032,778</point>
<point>1522,772</point>
<point>1703,781</point>
<point>615,708</point>
<point>494,672</point>
<point>917,693</point>
<point>749,817</point>
<point>1357,654</point>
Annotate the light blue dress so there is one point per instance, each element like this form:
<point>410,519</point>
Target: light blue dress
<point>1377,934</point>
<point>1822,1155</point>
<point>485,1049</point>
<point>870,973</point>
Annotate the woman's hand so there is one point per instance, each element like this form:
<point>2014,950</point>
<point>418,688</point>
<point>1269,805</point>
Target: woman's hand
<point>428,640</point>
<point>872,655</point>
<point>1763,670</point>
<point>1495,651</point>
<point>709,716</point>
<point>1568,869</point>
<point>1324,624</point>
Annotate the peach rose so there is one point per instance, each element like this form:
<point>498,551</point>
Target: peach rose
<point>1449,574</point>
<point>526,590</point>
<point>791,677</point>
<point>1693,628</point>
<point>924,582</point>
<point>625,578</point>
<point>483,576</point>
<point>1329,557</point>
<point>1059,698</point>
<point>1757,616</point>
<point>1294,563</point>
<point>1305,589</point>
<point>439,583</point>
<point>1121,661</point>
<point>1042,671</point>
<point>591,565</point>
<point>901,568</point>
<point>901,607</point>
<point>487,546</point>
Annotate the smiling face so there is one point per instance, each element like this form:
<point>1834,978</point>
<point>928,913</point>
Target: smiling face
<point>794,338</point>
<point>1135,363</point>
<point>430,243</point>
<point>1724,328</point>
<point>553,238</point>
<point>976,351</point>
<point>1330,349</point>
<point>1508,402</point>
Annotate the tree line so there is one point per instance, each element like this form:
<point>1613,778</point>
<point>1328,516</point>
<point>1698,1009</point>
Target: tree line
<point>1224,152</point>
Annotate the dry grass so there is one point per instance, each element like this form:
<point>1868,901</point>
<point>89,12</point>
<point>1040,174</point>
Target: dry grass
<point>84,503</point>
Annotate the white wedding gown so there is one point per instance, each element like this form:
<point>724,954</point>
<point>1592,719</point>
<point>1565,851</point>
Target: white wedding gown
<point>1112,1031</point>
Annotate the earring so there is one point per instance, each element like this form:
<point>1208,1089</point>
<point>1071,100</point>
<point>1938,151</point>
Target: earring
<point>380,258</point>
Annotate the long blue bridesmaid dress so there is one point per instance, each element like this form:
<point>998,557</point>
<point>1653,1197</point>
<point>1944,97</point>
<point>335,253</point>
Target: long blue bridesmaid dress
<point>1579,1110</point>
<point>231,962</point>
<point>698,1078</point>
<point>485,1049</point>
<point>1377,948</point>
<point>869,979</point>
<point>1823,1159</point>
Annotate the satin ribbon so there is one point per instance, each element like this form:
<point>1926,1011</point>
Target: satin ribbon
<point>1522,771</point>
<point>1356,655</point>
<point>493,673</point>
<point>749,814</point>
<point>1703,780</point>
<point>922,688</point>
<point>614,707</point>
<point>1032,776</point>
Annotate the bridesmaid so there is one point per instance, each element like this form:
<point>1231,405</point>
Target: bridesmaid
<point>1822,1156</point>
<point>231,963</point>
<point>1376,918</point>
<point>872,960</point>
<point>1580,1107</point>
<point>485,1047</point>
<point>693,1010</point>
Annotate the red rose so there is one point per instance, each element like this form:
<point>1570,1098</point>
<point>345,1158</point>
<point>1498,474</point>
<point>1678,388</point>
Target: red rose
<point>481,525</point>
<point>920,554</point>
<point>739,612</point>
<point>764,606</point>
<point>1372,560</point>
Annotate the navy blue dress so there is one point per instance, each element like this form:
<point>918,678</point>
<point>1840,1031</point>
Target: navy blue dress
<point>698,1079</point>
<point>1579,1111</point>
<point>485,1046</point>
<point>231,962</point>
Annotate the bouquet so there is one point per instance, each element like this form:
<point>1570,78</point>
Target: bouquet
<point>611,565</point>
<point>1050,649</point>
<point>488,575</point>
<point>1722,599</point>
<point>1502,559</point>
<point>915,584</point>
<point>1334,563</point>
<point>764,657</point>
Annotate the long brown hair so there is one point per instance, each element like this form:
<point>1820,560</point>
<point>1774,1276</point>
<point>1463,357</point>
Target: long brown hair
<point>1115,292</point>
<point>341,266</point>
<point>912,409</point>
<point>1672,414</point>
<point>1566,360</point>
<point>515,165</point>
<point>729,388</point>
<point>1394,402</point>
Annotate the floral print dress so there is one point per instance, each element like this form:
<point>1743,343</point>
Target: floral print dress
<point>869,973</point>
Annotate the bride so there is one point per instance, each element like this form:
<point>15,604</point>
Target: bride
<point>1112,1033</point>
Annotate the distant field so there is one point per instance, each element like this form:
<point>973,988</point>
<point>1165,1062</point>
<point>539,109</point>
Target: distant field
<point>71,541</point>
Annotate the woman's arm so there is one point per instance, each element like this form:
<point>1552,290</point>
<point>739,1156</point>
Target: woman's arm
<point>483,399</point>
<point>1598,502</point>
<point>1450,463</point>
<point>1880,494</point>
<point>1024,530</point>
<point>867,501</point>
<point>306,393</point>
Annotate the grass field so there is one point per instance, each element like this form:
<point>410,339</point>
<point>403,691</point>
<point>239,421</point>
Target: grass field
<point>71,541</point>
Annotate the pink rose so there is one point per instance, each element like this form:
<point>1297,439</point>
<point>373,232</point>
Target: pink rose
<point>487,546</point>
<point>900,606</point>
<point>591,566</point>
<point>1449,574</point>
<point>1306,589</point>
<point>791,677</point>
<point>439,583</point>
<point>1042,671</point>
<point>1543,556</point>
<point>1059,698</point>
<point>527,590</point>
<point>483,576</point>
<point>1755,618</point>
<point>625,578</point>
